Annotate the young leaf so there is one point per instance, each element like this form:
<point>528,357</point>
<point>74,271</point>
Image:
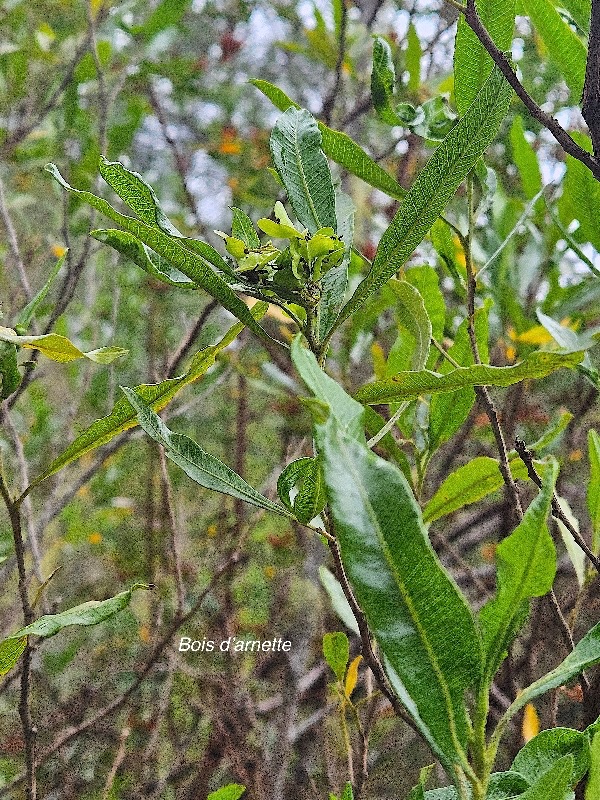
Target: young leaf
<point>575,552</point>
<point>526,568</point>
<point>200,466</point>
<point>347,412</point>
<point>242,228</point>
<point>564,46</point>
<point>306,477</point>
<point>59,348</point>
<point>472,64</point>
<point>10,375</point>
<point>541,752</point>
<point>389,560</point>
<point>296,150</point>
<point>231,792</point>
<point>335,280</point>
<point>347,794</point>
<point>413,60</point>
<point>593,492</point>
<point>91,613</point>
<point>502,786</point>
<point>383,82</point>
<point>339,147</point>
<point>435,186</point>
<point>470,483</point>
<point>405,385</point>
<point>352,677</point>
<point>336,650</point>
<point>338,599</point>
<point>157,395</point>
<point>172,250</point>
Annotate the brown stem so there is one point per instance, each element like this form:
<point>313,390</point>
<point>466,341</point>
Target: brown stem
<point>590,105</point>
<point>29,729</point>
<point>560,134</point>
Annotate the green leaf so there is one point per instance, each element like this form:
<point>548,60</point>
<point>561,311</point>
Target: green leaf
<point>347,412</point>
<point>10,652</point>
<point>541,752</point>
<point>565,48</point>
<point>231,792</point>
<point>335,281</point>
<point>469,484</point>
<point>575,553</point>
<point>383,82</point>
<point>553,784</point>
<point>340,147</point>
<point>200,466</point>
<point>581,195</point>
<point>157,395</point>
<point>347,794</point>
<point>306,477</point>
<point>167,13</point>
<point>593,492</point>
<point>585,654</point>
<point>502,786</point>
<point>340,604</point>
<point>525,159</point>
<point>405,385</point>
<point>59,348</point>
<point>136,251</point>
<point>91,613</point>
<point>300,163</point>
<point>435,186</point>
<point>242,228</point>
<point>472,64</point>
<point>28,313</point>
<point>172,250</point>
<point>420,620</point>
<point>9,371</point>
<point>413,60</point>
<point>413,315</point>
<point>336,650</point>
<point>526,566</point>
<point>592,790</point>
<point>579,10</point>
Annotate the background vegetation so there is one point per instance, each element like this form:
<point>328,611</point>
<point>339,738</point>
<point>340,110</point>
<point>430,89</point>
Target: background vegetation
<point>163,88</point>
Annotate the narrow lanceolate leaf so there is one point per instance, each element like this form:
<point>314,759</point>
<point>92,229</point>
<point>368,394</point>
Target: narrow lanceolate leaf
<point>340,147</point>
<point>90,613</point>
<point>526,160</point>
<point>421,622</point>
<point>539,754</point>
<point>59,348</point>
<point>564,46</point>
<point>413,315</point>
<point>347,412</point>
<point>585,654</point>
<point>526,568</point>
<point>469,484</point>
<point>30,310</point>
<point>553,784</point>
<point>472,64</point>
<point>202,467</point>
<point>593,492</point>
<point>300,163</point>
<point>436,185</point>
<point>131,247</point>
<point>405,385</point>
<point>123,416</point>
<point>172,250</point>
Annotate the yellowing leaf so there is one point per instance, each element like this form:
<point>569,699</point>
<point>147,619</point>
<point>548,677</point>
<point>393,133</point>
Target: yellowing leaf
<point>537,335</point>
<point>352,677</point>
<point>531,723</point>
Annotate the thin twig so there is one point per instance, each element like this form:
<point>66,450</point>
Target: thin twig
<point>590,106</point>
<point>167,493</point>
<point>557,511</point>
<point>500,59</point>
<point>329,102</point>
<point>191,336</point>
<point>14,243</point>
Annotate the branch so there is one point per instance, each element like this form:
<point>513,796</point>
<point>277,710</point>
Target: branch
<point>590,105</point>
<point>499,58</point>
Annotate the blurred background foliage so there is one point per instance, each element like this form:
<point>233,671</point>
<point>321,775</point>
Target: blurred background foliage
<point>163,87</point>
